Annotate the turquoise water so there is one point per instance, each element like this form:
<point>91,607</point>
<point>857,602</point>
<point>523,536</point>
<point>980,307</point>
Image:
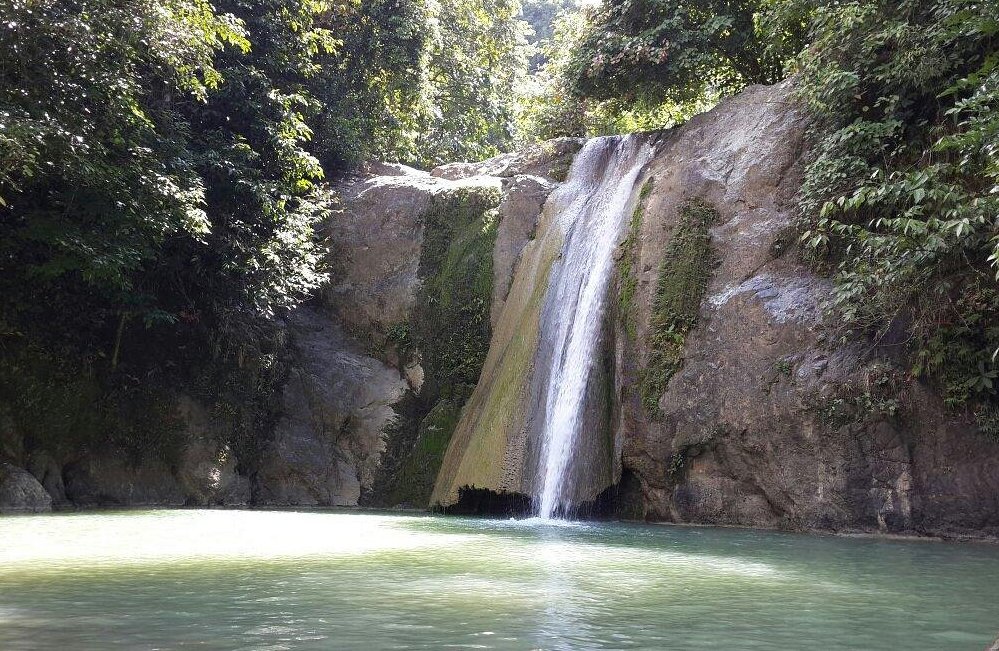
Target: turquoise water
<point>270,580</point>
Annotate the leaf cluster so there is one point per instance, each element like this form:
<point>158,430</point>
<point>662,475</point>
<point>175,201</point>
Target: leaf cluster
<point>903,191</point>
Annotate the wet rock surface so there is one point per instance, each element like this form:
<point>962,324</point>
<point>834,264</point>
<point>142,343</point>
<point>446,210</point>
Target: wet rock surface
<point>348,377</point>
<point>108,479</point>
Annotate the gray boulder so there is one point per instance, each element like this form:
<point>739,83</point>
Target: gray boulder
<point>20,492</point>
<point>337,402</point>
<point>48,471</point>
<point>207,468</point>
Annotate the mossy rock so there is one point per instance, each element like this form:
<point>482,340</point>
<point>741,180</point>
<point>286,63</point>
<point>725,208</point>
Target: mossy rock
<point>415,479</point>
<point>683,280</point>
<point>627,277</point>
<point>449,331</point>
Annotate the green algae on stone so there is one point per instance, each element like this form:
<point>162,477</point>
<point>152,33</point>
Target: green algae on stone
<point>415,479</point>
<point>485,450</point>
<point>450,324</point>
<point>683,279</point>
<point>627,277</point>
<point>448,335</point>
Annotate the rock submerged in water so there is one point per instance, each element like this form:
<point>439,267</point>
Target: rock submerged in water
<point>20,492</point>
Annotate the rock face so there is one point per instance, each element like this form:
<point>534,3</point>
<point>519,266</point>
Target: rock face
<point>356,387</point>
<point>768,422</point>
<point>20,492</point>
<point>336,406</point>
<point>500,438</point>
<point>207,469</point>
<point>352,375</point>
<point>203,472</point>
<point>375,244</point>
<point>523,198</point>
<point>548,159</point>
<point>764,418</point>
<point>109,480</point>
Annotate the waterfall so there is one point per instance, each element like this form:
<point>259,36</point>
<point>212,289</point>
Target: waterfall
<point>592,208</point>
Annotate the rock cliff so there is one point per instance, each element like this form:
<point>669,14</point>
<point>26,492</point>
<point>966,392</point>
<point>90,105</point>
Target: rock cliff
<point>735,402</point>
<point>730,397</point>
<point>379,364</point>
<point>769,419</point>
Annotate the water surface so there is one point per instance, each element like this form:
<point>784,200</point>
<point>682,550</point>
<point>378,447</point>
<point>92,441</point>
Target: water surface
<point>270,580</point>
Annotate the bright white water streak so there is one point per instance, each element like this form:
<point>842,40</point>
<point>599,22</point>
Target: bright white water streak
<point>592,209</point>
<point>316,581</point>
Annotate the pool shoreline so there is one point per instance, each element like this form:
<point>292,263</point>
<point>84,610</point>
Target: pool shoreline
<point>961,538</point>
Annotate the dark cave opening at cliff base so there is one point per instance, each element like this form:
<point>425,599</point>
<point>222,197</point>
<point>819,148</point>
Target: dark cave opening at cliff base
<point>620,501</point>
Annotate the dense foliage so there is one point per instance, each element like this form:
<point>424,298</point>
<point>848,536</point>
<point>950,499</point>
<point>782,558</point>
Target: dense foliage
<point>655,50</point>
<point>904,190</point>
<point>474,63</point>
<point>158,204</point>
<point>542,17</point>
<point>163,166</point>
<point>628,65</point>
<point>552,105</point>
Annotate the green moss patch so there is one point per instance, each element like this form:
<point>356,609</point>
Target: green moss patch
<point>450,324</point>
<point>449,332</point>
<point>417,472</point>
<point>627,277</point>
<point>496,409</point>
<point>987,419</point>
<point>683,280</point>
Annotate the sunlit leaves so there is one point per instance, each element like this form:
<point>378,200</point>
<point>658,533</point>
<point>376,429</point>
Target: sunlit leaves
<point>83,128</point>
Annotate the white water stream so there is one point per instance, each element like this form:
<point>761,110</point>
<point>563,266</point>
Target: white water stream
<point>593,205</point>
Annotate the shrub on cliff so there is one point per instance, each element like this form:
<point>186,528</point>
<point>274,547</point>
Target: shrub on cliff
<point>903,192</point>
<point>655,50</point>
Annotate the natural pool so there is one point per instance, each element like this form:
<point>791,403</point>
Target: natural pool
<point>270,580</point>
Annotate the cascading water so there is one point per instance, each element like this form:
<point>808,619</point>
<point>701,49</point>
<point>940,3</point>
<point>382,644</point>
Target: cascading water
<point>592,208</point>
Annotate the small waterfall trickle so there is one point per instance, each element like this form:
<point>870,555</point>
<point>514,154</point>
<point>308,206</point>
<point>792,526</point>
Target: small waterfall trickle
<point>592,208</point>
